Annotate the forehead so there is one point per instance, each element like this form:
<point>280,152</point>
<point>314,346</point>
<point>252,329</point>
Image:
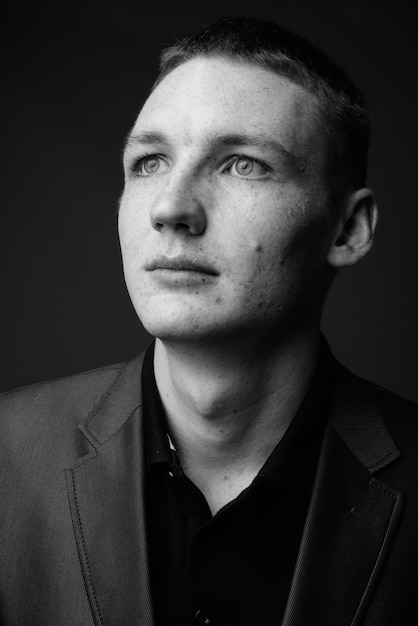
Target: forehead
<point>212,95</point>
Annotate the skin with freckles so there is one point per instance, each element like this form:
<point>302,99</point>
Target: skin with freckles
<point>224,168</point>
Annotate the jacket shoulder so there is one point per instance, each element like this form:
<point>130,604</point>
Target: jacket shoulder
<point>400,416</point>
<point>382,427</point>
<point>49,409</point>
<point>394,408</point>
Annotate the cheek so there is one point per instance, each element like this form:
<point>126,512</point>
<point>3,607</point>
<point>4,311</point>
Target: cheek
<point>125,219</point>
<point>257,269</point>
<point>131,226</point>
<point>280,257</point>
<point>308,244</point>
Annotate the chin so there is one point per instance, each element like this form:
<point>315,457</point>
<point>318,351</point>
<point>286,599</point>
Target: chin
<point>182,328</point>
<point>179,335</point>
<point>177,319</point>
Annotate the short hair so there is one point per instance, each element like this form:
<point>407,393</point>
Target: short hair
<point>343,109</point>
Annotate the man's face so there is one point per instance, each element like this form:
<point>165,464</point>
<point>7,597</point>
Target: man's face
<point>224,225</point>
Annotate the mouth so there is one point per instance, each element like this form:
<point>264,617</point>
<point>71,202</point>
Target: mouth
<point>180,264</point>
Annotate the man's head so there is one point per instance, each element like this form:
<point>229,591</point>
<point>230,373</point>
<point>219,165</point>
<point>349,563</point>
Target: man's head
<point>226,222</point>
<point>343,114</point>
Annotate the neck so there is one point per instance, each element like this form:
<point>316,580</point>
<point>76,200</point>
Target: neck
<point>228,408</point>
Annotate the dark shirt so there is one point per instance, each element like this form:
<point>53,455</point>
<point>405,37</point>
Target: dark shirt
<point>233,568</point>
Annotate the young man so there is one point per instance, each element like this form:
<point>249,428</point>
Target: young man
<point>236,474</point>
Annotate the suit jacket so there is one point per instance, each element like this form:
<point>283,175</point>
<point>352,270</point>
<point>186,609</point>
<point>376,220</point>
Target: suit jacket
<point>73,537</point>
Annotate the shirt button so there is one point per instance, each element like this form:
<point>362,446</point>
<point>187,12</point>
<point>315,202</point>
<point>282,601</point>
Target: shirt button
<point>202,618</point>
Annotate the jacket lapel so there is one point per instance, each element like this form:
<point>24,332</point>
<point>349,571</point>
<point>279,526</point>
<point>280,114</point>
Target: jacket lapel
<point>351,518</point>
<point>105,490</point>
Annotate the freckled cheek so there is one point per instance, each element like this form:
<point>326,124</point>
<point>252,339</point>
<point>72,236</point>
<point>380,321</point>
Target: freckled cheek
<point>128,237</point>
<point>253,251</point>
<point>135,205</point>
<point>272,270</point>
<point>133,227</point>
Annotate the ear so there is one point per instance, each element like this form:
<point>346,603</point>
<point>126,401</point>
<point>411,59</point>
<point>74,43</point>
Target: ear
<point>356,229</point>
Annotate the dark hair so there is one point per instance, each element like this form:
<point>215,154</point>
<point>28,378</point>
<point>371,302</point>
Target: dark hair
<point>343,109</point>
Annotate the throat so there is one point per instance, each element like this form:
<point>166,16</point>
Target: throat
<point>223,467</point>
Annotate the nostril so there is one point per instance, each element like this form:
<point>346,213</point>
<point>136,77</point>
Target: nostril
<point>183,226</point>
<point>180,214</point>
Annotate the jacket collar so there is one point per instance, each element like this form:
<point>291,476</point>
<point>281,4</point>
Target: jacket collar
<point>357,419</point>
<point>347,533</point>
<point>123,396</point>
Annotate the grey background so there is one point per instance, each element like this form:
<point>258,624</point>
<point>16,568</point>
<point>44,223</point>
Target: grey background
<point>75,76</point>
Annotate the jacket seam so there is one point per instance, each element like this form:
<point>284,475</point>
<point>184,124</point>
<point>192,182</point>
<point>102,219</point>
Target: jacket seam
<point>377,464</point>
<point>83,541</point>
<point>103,398</point>
<point>98,442</point>
<point>390,529</point>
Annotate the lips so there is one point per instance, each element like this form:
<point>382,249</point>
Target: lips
<point>180,264</point>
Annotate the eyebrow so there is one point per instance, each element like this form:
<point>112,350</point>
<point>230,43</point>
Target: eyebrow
<point>145,137</point>
<point>293,161</point>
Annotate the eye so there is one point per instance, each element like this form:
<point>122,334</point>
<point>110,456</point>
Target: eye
<point>151,164</point>
<point>246,167</point>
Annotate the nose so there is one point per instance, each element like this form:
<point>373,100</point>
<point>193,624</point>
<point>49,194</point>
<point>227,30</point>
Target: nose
<point>179,207</point>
